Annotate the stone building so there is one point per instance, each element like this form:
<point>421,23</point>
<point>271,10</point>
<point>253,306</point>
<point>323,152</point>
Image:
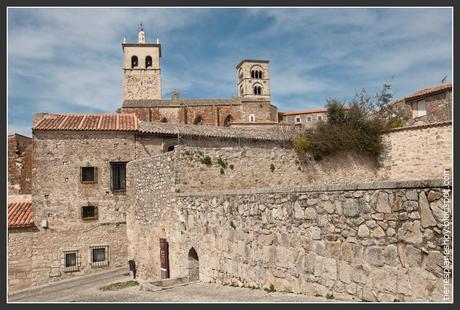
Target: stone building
<point>430,105</point>
<point>142,93</point>
<point>19,164</point>
<point>306,118</point>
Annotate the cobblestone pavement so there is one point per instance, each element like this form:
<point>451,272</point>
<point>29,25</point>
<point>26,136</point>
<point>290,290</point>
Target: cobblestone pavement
<point>194,292</point>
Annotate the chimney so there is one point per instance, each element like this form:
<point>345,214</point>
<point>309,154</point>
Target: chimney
<point>37,117</point>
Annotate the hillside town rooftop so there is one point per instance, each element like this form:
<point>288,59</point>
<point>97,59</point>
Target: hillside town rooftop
<point>429,91</point>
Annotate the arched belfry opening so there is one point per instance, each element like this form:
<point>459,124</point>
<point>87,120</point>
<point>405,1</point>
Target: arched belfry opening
<point>193,265</point>
<point>134,62</point>
<point>148,62</point>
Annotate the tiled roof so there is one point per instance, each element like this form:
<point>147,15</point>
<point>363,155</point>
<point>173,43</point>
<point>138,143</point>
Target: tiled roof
<point>302,112</point>
<point>112,122</point>
<point>20,214</point>
<point>273,134</point>
<point>178,102</point>
<point>429,91</point>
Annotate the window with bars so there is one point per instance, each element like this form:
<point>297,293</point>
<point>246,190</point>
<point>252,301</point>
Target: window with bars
<point>99,255</point>
<point>118,177</point>
<point>88,174</point>
<point>71,261</point>
<point>89,213</point>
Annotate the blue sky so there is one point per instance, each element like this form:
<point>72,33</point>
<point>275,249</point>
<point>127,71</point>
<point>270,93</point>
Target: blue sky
<point>69,60</point>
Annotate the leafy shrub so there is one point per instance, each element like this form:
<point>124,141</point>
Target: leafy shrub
<point>270,289</point>
<point>272,167</point>
<point>396,122</point>
<point>222,163</point>
<point>206,160</point>
<point>330,296</point>
<point>351,126</point>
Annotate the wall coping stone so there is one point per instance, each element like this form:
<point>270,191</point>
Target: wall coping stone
<point>325,188</point>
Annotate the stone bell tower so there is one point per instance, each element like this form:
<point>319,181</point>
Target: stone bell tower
<point>141,69</point>
<point>253,79</point>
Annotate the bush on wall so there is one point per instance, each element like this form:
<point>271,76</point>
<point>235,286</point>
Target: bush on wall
<point>356,125</point>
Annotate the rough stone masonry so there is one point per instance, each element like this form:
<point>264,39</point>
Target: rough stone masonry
<point>379,240</point>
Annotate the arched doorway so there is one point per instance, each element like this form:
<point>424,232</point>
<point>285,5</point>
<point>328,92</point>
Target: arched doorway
<point>193,265</point>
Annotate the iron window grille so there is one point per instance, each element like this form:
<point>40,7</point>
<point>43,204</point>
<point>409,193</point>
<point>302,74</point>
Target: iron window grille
<point>99,255</point>
<point>88,175</point>
<point>71,261</point>
<point>89,213</point>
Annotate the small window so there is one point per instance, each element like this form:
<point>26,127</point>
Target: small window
<point>99,256</point>
<point>71,261</point>
<point>257,90</point>
<point>228,120</point>
<point>252,118</point>
<point>134,62</point>
<point>88,174</point>
<point>164,120</point>
<point>118,177</point>
<point>309,119</point>
<point>198,121</point>
<point>148,62</point>
<point>297,119</point>
<point>419,109</point>
<point>320,118</point>
<point>89,213</point>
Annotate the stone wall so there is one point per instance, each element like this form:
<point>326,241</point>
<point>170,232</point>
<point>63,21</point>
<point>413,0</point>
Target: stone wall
<point>438,107</point>
<point>377,241</point>
<point>421,152</point>
<point>20,258</point>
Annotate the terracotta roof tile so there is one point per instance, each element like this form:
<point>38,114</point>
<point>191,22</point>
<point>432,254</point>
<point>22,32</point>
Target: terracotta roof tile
<point>429,91</point>
<point>20,214</point>
<point>112,122</point>
<point>302,112</point>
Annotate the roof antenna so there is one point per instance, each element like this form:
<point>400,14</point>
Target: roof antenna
<point>444,79</point>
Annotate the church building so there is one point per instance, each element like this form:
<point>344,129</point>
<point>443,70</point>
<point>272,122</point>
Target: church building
<point>142,93</point>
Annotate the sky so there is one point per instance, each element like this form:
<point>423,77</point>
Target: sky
<point>69,60</point>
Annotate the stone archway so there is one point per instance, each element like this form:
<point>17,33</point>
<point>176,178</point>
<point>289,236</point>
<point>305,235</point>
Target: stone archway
<point>193,265</point>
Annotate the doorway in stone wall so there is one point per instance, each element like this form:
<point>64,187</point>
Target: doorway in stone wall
<point>193,265</point>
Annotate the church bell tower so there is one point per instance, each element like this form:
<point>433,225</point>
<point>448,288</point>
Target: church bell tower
<point>141,69</point>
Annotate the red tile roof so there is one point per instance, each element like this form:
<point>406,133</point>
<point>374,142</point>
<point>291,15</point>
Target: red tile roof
<point>303,112</point>
<point>429,91</point>
<point>112,122</point>
<point>20,214</point>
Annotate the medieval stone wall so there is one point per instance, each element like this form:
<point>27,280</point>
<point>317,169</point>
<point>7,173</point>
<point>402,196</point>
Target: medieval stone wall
<point>375,241</point>
<point>19,258</point>
<point>417,153</point>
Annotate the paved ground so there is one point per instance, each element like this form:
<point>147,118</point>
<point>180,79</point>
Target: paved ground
<point>194,292</point>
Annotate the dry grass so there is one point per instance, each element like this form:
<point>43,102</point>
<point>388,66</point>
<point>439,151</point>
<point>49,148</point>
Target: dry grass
<point>119,285</point>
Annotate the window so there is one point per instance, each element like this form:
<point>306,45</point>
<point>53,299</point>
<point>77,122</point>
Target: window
<point>134,62</point>
<point>164,120</point>
<point>198,121</point>
<point>71,261</point>
<point>148,62</point>
<point>297,119</point>
<point>257,90</point>
<point>320,118</point>
<point>118,177</point>
<point>309,119</point>
<point>419,109</point>
<point>252,118</point>
<point>89,212</point>
<point>88,174</point>
<point>228,120</point>
<point>99,255</point>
